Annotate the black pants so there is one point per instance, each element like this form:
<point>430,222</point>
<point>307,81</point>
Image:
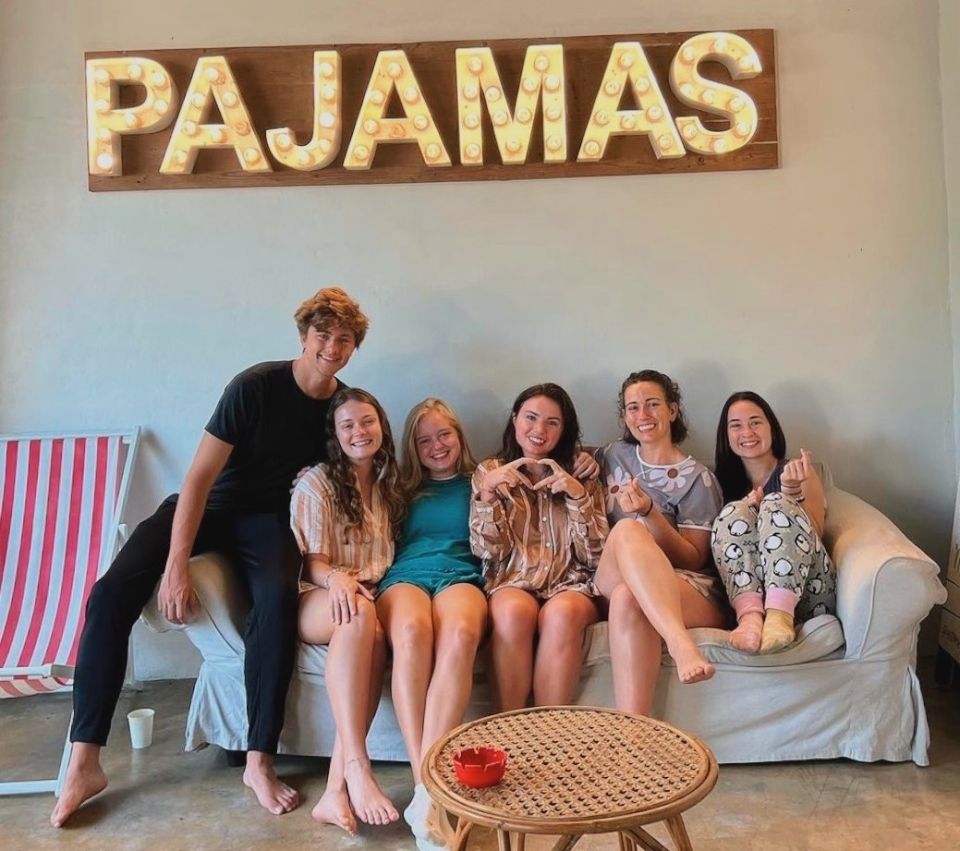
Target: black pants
<point>262,549</point>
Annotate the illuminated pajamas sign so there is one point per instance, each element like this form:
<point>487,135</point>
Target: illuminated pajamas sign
<point>433,111</point>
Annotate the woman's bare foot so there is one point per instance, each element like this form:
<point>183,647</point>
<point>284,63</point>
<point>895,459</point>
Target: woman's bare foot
<point>85,778</point>
<point>272,793</point>
<point>691,666</point>
<point>334,808</point>
<point>366,796</point>
<point>746,636</point>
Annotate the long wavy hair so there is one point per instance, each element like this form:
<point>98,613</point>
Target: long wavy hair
<point>343,477</point>
<point>671,392</point>
<point>728,466</point>
<point>569,443</point>
<point>411,471</point>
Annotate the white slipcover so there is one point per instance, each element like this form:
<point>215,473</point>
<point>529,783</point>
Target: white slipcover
<point>820,698</point>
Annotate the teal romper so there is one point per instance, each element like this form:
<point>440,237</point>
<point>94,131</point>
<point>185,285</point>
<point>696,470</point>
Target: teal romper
<point>433,552</point>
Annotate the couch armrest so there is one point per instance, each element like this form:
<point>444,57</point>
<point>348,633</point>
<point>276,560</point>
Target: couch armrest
<point>886,584</point>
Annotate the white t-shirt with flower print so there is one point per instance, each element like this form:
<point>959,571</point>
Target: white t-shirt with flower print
<point>686,493</point>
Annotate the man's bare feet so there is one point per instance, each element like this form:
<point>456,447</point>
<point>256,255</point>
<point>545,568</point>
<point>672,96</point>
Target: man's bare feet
<point>85,778</point>
<point>691,666</point>
<point>334,808</point>
<point>272,793</point>
<point>746,637</point>
<point>366,796</point>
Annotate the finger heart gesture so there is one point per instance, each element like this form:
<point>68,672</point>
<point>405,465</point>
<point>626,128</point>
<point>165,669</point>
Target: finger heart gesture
<point>634,500</point>
<point>797,470</point>
<point>559,481</point>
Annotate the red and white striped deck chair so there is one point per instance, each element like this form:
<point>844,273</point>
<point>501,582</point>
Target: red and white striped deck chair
<point>61,501</point>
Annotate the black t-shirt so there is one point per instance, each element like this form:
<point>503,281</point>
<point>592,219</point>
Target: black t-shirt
<point>275,430</point>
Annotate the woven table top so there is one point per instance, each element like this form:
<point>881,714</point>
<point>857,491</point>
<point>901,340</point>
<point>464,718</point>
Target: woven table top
<point>574,764</point>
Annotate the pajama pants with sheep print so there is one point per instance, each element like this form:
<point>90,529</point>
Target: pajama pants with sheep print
<point>774,547</point>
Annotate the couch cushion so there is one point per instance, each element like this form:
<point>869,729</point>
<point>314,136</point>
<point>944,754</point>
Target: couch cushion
<point>818,638</point>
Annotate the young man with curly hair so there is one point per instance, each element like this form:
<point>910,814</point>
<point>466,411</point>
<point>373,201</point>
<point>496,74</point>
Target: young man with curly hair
<point>268,425</point>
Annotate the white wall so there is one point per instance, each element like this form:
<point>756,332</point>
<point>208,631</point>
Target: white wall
<point>950,99</point>
<point>823,285</point>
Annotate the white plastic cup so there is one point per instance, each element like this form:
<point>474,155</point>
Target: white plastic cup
<point>141,727</point>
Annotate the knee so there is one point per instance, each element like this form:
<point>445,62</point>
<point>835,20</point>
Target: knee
<point>364,620</point>
<point>105,597</point>
<point>460,637</point>
<point>412,634</point>
<point>625,611</point>
<point>514,617</point>
<point>627,532</point>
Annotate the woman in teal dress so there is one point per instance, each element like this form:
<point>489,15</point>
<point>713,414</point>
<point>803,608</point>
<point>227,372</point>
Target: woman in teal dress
<point>431,601</point>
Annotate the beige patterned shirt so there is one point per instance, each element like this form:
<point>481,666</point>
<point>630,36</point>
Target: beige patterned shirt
<point>319,531</point>
<point>541,542</point>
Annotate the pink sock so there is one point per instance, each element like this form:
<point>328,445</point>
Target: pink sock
<point>747,602</point>
<point>783,599</point>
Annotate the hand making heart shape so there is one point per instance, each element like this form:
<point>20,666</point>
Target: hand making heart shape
<point>558,480</point>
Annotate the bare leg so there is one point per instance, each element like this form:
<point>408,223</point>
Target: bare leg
<point>635,648</point>
<point>349,661</point>
<point>631,556</point>
<point>459,619</point>
<point>513,615</point>
<point>85,778</point>
<point>334,804</point>
<point>406,613</point>
<point>564,619</point>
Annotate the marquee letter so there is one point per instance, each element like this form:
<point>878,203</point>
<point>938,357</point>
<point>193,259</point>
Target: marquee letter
<point>628,65</point>
<point>742,61</point>
<point>213,81</point>
<point>477,76</point>
<point>321,150</point>
<point>391,72</point>
<point>106,124</point>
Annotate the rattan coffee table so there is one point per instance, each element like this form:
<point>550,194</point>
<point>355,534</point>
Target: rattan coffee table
<point>574,770</point>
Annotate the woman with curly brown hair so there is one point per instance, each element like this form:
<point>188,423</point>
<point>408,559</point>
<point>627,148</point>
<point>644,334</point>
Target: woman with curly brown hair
<point>345,515</point>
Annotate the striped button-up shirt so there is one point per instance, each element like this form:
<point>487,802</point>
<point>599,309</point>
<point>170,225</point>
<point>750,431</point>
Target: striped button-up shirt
<point>318,528</point>
<point>541,542</point>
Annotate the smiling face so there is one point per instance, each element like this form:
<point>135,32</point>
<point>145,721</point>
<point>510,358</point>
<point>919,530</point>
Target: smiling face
<point>647,414</point>
<point>438,445</point>
<point>358,431</point>
<point>327,351</point>
<point>748,431</point>
<point>538,426</point>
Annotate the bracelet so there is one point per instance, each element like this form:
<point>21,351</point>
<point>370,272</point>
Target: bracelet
<point>649,509</point>
<point>325,582</point>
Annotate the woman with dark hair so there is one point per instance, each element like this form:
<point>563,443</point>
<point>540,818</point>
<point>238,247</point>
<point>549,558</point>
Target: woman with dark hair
<point>656,569</point>
<point>766,540</point>
<point>539,532</point>
<point>345,515</point>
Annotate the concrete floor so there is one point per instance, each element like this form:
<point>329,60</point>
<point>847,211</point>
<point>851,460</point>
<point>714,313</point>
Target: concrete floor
<point>161,798</point>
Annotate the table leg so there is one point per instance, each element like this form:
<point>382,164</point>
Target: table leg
<point>460,834</point>
<point>678,833</point>
<point>640,837</point>
<point>521,842</point>
<point>503,840</point>
<point>625,842</point>
<point>565,843</point>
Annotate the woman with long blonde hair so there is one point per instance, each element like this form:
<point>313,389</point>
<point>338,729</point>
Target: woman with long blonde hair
<point>431,601</point>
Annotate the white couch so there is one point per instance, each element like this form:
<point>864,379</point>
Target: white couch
<point>822,697</point>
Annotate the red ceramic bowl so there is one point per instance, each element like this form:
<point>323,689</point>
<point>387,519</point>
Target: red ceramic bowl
<point>479,767</point>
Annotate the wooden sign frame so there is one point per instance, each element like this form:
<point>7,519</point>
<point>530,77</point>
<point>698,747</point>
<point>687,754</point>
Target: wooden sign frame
<point>277,86</point>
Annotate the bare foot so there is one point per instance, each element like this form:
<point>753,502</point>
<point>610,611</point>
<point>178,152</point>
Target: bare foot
<point>272,793</point>
<point>83,781</point>
<point>746,636</point>
<point>334,808</point>
<point>366,796</point>
<point>691,666</point>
